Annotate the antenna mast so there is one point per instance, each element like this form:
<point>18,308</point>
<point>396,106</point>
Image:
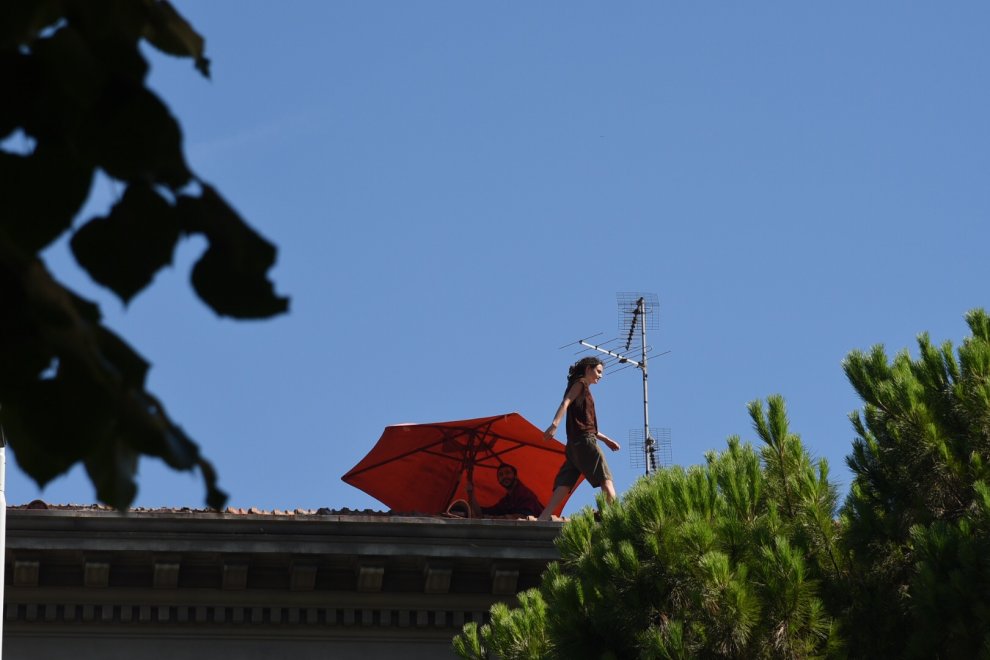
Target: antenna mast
<point>637,312</point>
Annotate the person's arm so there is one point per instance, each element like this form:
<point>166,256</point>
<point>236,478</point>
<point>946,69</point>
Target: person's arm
<point>499,508</point>
<point>609,442</point>
<point>530,504</point>
<point>570,396</point>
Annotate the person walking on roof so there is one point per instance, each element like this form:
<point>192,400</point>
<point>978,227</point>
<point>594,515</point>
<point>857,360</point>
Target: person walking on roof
<point>583,456</point>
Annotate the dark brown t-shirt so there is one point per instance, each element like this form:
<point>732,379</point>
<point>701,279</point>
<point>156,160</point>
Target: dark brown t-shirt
<point>581,418</point>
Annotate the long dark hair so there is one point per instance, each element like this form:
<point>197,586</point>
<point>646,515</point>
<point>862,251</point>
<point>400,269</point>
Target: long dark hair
<point>576,372</point>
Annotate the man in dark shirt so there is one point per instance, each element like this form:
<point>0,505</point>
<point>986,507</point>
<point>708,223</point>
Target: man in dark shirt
<point>518,500</point>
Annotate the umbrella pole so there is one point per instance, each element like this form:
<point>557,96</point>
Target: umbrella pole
<point>470,458</point>
<point>467,465</point>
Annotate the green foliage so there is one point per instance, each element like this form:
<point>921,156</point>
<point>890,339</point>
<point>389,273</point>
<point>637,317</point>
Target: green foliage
<point>518,633</point>
<point>917,513</point>
<point>743,557</point>
<point>723,560</point>
<point>74,84</point>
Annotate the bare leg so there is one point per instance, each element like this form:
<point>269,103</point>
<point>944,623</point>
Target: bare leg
<point>559,493</point>
<point>609,489</point>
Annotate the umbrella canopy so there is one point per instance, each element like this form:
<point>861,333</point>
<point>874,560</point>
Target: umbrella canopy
<point>424,467</point>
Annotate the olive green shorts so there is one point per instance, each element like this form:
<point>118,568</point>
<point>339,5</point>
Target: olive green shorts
<point>583,456</point>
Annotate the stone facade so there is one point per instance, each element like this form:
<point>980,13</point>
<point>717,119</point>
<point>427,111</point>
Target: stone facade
<point>87,583</point>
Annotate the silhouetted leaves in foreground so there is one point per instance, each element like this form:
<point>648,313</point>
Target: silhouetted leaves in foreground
<point>74,85</point>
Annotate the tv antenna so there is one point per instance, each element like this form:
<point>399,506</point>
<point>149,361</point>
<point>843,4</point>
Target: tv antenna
<point>638,312</point>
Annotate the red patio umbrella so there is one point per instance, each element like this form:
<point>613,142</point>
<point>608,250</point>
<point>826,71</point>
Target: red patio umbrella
<point>424,467</point>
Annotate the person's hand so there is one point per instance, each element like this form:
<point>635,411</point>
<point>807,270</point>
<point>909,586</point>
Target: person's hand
<point>610,443</point>
<point>548,434</point>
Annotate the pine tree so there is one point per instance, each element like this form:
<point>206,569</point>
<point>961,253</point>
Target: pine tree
<point>743,557</point>
<point>917,513</point>
<point>722,560</point>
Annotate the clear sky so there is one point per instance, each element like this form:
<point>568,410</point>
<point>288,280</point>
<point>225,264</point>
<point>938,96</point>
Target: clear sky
<point>459,188</point>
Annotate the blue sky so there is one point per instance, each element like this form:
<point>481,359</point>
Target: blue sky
<point>457,189</point>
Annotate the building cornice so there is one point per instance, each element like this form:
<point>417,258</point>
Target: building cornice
<point>265,533</point>
<point>69,569</point>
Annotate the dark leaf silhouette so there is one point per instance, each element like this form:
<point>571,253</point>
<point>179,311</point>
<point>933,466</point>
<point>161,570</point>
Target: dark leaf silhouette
<point>35,212</point>
<point>70,389</point>
<point>231,276</point>
<point>124,250</point>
